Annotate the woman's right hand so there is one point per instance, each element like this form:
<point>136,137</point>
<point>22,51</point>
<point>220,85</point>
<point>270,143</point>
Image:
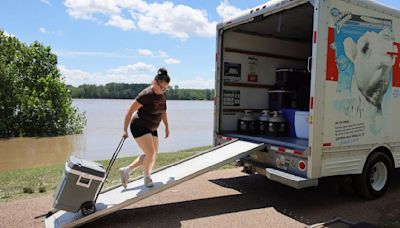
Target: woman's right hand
<point>125,134</point>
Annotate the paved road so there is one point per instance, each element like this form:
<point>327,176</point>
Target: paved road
<point>229,198</point>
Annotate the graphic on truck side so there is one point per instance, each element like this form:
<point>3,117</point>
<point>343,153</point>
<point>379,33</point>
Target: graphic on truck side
<point>360,60</point>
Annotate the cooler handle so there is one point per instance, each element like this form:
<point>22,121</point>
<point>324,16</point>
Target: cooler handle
<point>112,160</point>
<point>84,181</point>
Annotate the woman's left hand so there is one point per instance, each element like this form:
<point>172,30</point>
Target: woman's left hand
<point>166,132</point>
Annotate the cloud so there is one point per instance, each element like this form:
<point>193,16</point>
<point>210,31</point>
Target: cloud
<point>145,52</point>
<point>45,31</point>
<point>86,9</point>
<point>172,61</point>
<point>42,30</point>
<point>197,83</point>
<point>132,68</point>
<point>134,73</point>
<point>119,22</point>
<point>177,21</point>
<point>225,10</point>
<point>45,2</point>
<point>162,54</point>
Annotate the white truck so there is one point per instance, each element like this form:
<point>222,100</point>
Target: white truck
<point>351,49</point>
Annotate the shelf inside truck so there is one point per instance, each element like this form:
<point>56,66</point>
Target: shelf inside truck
<point>287,142</point>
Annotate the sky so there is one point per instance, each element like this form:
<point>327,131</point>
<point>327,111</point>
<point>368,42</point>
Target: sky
<point>102,41</point>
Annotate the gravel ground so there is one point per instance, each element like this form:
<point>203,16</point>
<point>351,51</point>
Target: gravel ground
<point>229,198</point>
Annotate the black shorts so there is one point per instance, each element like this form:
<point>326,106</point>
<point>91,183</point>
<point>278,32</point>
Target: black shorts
<point>138,131</point>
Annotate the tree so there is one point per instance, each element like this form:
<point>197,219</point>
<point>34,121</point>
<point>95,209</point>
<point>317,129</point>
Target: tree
<point>34,98</point>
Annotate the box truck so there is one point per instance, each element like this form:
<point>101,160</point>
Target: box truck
<point>318,83</point>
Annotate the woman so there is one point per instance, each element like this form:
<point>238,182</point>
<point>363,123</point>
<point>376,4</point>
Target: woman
<point>149,108</point>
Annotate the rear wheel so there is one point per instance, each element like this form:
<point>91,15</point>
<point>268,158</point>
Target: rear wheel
<point>376,176</point>
<point>88,208</point>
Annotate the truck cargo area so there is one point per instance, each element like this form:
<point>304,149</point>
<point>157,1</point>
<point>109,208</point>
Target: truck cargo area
<point>253,54</point>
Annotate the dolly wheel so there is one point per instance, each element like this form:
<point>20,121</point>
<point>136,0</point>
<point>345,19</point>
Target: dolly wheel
<point>88,208</point>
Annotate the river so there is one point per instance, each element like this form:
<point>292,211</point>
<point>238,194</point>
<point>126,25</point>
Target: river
<point>191,125</point>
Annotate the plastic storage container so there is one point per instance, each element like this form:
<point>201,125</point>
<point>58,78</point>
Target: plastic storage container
<point>287,78</point>
<point>279,99</point>
<point>301,124</point>
<point>297,80</point>
<point>289,115</point>
<point>79,184</point>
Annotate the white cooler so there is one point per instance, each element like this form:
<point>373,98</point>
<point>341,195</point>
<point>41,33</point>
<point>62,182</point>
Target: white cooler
<point>79,185</point>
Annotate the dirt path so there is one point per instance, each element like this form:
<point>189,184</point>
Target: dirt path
<point>228,198</point>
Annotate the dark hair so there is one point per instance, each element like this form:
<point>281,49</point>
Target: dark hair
<point>162,75</point>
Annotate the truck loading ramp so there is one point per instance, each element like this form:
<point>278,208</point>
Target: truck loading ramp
<point>116,198</point>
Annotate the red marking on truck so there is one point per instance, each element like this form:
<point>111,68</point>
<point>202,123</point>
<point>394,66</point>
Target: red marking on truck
<point>396,66</point>
<point>315,37</point>
<point>332,70</point>
<point>298,152</point>
<point>281,149</point>
<point>301,166</point>
<point>311,103</point>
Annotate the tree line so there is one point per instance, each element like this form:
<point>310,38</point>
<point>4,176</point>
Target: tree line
<point>130,91</point>
<point>34,100</point>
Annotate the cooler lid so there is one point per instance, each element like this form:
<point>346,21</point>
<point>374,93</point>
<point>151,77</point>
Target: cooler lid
<point>86,166</point>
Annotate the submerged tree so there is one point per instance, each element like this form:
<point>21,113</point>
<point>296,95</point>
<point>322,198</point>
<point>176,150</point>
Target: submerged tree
<point>34,100</point>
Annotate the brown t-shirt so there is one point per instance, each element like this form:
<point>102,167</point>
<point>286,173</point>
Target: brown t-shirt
<point>149,115</point>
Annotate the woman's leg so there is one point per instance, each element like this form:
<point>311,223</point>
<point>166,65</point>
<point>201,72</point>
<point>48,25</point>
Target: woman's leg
<point>136,163</point>
<point>146,144</point>
<point>155,143</point>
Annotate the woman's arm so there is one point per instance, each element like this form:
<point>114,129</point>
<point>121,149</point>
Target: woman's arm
<point>165,121</point>
<point>128,117</point>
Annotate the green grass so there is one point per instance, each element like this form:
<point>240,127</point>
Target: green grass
<point>392,224</point>
<point>42,181</point>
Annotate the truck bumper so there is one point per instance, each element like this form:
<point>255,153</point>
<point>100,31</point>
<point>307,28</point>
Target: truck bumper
<point>289,179</point>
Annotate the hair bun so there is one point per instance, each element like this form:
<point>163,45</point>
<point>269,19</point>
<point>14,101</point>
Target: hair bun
<point>162,71</point>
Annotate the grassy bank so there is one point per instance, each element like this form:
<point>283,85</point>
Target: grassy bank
<point>27,183</point>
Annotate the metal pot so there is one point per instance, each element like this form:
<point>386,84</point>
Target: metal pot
<point>247,124</point>
<point>277,124</point>
<point>262,123</point>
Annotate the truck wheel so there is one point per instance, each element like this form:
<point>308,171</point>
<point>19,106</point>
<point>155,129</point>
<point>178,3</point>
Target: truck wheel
<point>88,208</point>
<point>375,178</point>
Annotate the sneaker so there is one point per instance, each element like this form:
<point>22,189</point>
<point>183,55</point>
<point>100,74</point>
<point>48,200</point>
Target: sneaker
<point>124,176</point>
<point>148,182</point>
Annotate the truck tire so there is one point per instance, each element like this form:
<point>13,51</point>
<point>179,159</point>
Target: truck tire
<point>376,176</point>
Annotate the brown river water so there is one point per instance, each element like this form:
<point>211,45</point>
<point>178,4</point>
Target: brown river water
<point>191,124</point>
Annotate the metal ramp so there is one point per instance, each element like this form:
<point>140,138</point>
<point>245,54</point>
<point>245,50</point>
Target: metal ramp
<point>117,198</point>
